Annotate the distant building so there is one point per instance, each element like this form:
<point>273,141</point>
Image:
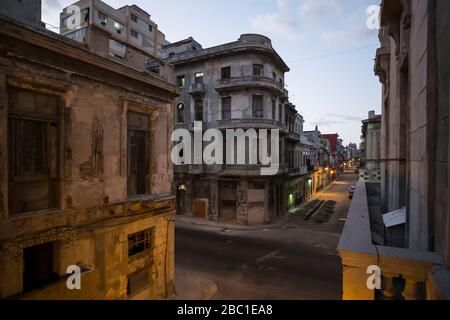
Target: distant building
<point>370,167</point>
<point>24,11</point>
<point>126,35</point>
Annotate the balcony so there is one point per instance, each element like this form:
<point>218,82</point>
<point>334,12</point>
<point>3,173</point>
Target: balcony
<point>260,82</point>
<point>405,274</point>
<point>197,90</point>
<point>285,95</point>
<point>194,169</point>
<point>292,135</point>
<point>255,123</point>
<point>248,170</point>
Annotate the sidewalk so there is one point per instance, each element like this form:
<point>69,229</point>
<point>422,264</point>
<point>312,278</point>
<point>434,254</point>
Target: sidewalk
<point>193,286</point>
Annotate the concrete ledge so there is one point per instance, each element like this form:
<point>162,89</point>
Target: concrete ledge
<point>440,280</point>
<point>358,252</point>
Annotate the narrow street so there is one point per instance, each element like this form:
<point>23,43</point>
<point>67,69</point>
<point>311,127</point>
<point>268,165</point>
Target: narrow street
<point>296,261</point>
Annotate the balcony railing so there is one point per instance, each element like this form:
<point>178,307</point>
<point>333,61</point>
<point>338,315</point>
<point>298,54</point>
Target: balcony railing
<point>190,169</point>
<point>197,89</point>
<point>246,81</point>
<point>250,123</point>
<point>358,252</point>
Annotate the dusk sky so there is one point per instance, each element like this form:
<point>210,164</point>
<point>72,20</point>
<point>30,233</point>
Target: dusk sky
<point>326,43</point>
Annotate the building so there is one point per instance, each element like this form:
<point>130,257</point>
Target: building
<point>85,171</point>
<point>413,66</point>
<point>370,166</point>
<point>323,172</point>
<point>335,153</point>
<point>238,85</point>
<point>295,192</point>
<point>126,35</point>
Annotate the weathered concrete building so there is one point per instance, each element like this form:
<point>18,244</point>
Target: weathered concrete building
<point>321,158</point>
<point>413,66</point>
<point>85,171</point>
<point>127,35</point>
<point>371,158</point>
<point>239,85</point>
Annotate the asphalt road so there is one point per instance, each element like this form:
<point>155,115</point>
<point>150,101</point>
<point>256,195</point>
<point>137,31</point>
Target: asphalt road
<point>294,262</point>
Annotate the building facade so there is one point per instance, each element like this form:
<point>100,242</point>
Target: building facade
<point>85,172</point>
<point>239,85</point>
<point>413,66</point>
<point>126,35</point>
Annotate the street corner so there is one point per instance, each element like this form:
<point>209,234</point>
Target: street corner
<point>193,286</point>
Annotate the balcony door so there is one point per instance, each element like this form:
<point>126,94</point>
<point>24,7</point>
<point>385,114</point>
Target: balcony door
<point>138,154</point>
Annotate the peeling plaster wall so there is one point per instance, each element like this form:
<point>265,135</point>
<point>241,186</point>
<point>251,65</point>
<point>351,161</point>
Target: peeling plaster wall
<point>94,217</point>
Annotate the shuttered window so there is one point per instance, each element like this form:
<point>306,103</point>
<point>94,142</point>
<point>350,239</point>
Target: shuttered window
<point>138,154</point>
<point>258,107</point>
<point>33,137</point>
<point>226,108</point>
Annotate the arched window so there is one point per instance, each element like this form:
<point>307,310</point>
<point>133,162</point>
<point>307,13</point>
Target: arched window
<point>180,113</point>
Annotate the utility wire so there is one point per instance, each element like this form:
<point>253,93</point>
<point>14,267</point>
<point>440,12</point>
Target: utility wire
<point>335,53</point>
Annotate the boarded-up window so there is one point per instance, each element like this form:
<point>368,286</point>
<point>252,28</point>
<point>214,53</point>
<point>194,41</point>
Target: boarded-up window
<point>140,242</point>
<point>33,137</point>
<point>138,153</point>
<point>137,281</point>
<point>226,108</point>
<point>198,110</point>
<point>258,107</point>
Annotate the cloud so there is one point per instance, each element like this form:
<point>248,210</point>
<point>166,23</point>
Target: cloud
<point>343,117</point>
<point>327,123</point>
<point>313,8</point>
<point>354,35</point>
<point>281,23</point>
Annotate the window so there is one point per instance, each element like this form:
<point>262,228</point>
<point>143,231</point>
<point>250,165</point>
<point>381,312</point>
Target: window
<point>70,21</point>
<point>180,113</point>
<point>274,76</point>
<point>134,18</point>
<point>102,17</point>
<point>274,110</point>
<point>33,139</point>
<point>199,78</point>
<point>38,267</point>
<point>258,107</point>
<point>226,108</point>
<point>258,70</point>
<point>226,73</point>
<point>138,153</point>
<point>134,34</point>
<point>118,26</point>
<point>78,34</point>
<point>140,242</point>
<point>181,82</point>
<point>198,110</point>
<point>150,28</point>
